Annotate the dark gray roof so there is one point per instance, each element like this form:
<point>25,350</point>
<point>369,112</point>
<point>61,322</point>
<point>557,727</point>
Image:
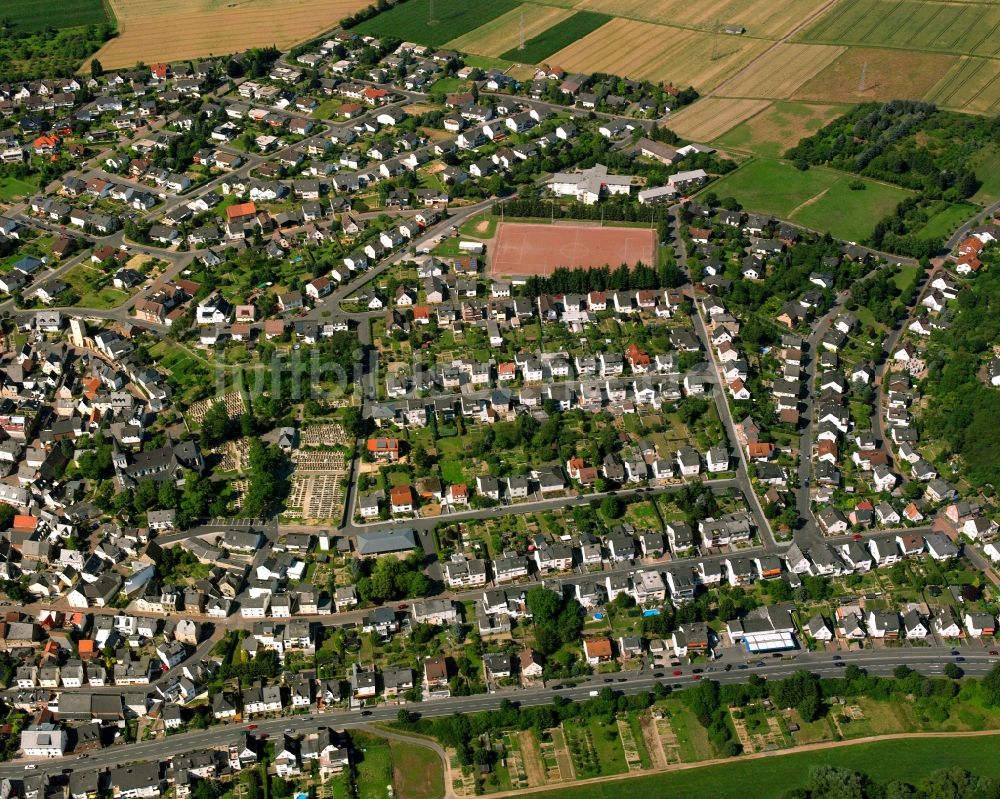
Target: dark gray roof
<point>377,543</point>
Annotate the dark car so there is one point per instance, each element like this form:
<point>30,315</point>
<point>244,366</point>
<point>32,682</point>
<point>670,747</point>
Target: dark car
<point>697,671</point>
<point>840,664</point>
<point>759,664</point>
<point>960,659</point>
<point>729,667</point>
<point>608,679</point>
<point>994,652</point>
<point>954,651</point>
<point>366,712</point>
<point>678,685</point>
<point>622,679</point>
<point>836,657</point>
<point>657,674</point>
<point>742,666</point>
<point>556,687</point>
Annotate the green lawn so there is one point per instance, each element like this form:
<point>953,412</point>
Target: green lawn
<point>474,226</point>
<point>95,289</point>
<point>947,219</point>
<point>11,188</point>
<point>374,767</point>
<point>555,38</point>
<point>32,15</point>
<point>449,85</point>
<point>412,21</point>
<point>608,745</point>
<point>485,62</point>
<point>452,471</point>
<point>327,109</point>
<point>773,777</point>
<point>818,198</point>
<point>987,166</point>
<point>417,771</point>
<point>905,277</point>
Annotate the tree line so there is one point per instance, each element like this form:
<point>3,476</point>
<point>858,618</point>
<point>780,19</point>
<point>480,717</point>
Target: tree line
<point>961,409</point>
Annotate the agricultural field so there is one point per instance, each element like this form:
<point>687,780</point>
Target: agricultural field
<point>412,21</point>
<point>154,31</point>
<point>761,18</point>
<point>887,75</point>
<point>774,129</point>
<point>773,776</point>
<point>32,15</point>
<point>972,84</point>
<point>919,25</point>
<point>818,198</point>
<point>560,35</point>
<point>710,118</point>
<point>503,33</point>
<point>643,50</point>
<point>781,70</point>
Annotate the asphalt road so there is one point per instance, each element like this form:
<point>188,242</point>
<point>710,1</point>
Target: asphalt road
<point>721,401</point>
<point>927,660</point>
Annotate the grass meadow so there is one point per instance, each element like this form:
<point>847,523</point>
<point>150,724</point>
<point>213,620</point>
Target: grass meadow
<point>818,198</point>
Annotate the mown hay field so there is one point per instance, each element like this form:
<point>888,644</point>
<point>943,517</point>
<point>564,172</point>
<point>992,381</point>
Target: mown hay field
<point>151,30</point>
<point>643,50</point>
<point>708,119</point>
<point>887,75</point>
<point>970,28</point>
<point>781,70</point>
<point>761,18</point>
<point>499,35</point>
<point>772,131</point>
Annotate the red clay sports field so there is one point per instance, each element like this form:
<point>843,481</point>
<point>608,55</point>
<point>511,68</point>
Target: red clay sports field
<point>526,249</point>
